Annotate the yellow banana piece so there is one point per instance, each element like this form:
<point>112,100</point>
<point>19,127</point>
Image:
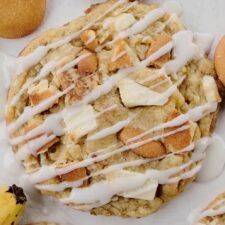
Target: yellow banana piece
<point>12,204</point>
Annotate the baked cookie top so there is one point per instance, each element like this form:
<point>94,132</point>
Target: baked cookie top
<point>112,112</point>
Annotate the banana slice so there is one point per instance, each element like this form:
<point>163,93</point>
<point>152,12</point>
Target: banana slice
<point>12,204</point>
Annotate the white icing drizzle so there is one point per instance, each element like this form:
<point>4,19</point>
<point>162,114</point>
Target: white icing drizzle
<point>204,42</point>
<point>215,156</point>
<point>104,150</point>
<point>51,171</point>
<point>110,130</point>
<point>47,172</point>
<point>194,114</point>
<point>53,124</point>
<point>182,53</point>
<point>141,25</point>
<point>33,146</point>
<point>138,27</point>
<point>62,186</point>
<point>119,56</point>
<point>29,112</point>
<point>71,64</point>
<point>107,86</point>
<point>108,189</point>
<point>48,68</point>
<point>90,40</point>
<point>172,6</point>
<point>23,63</point>
<point>89,118</point>
<point>103,89</point>
<point>42,74</point>
<point>157,74</point>
<point>164,81</point>
<point>126,8</point>
<point>163,26</point>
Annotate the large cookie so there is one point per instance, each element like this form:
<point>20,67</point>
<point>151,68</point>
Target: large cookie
<point>112,112</point>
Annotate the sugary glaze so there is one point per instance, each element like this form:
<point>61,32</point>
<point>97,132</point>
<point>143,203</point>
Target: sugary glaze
<point>84,140</point>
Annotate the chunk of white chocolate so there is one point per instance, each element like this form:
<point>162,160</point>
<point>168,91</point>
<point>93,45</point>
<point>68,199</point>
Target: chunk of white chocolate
<point>145,192</point>
<point>123,21</point>
<point>81,123</point>
<point>134,94</point>
<point>120,22</point>
<point>210,89</point>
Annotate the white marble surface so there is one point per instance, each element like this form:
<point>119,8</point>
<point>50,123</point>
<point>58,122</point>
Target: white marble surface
<point>199,15</point>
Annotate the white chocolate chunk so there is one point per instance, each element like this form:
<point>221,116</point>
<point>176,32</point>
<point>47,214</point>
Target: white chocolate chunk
<point>134,94</point>
<point>81,123</point>
<point>146,192</point>
<point>119,23</point>
<point>210,89</point>
<point>123,21</point>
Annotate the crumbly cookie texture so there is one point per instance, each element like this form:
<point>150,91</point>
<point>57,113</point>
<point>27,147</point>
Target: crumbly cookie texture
<point>133,97</point>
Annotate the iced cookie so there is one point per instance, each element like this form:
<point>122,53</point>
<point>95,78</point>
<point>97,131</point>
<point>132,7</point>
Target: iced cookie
<point>112,113</point>
<point>20,17</point>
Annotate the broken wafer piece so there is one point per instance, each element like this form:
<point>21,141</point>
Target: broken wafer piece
<point>89,39</point>
<point>122,56</point>
<point>158,42</point>
<point>152,149</point>
<point>47,146</point>
<point>74,175</point>
<point>88,65</point>
<point>40,92</point>
<point>179,140</point>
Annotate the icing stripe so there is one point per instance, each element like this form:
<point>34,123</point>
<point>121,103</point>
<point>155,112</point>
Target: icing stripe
<point>47,172</point>
<point>29,112</point>
<point>33,146</point>
<point>25,62</point>
<point>42,74</point>
<point>53,124</point>
<point>108,189</point>
<point>126,8</point>
<point>194,114</point>
<point>164,81</point>
<point>161,28</point>
<point>110,130</point>
<point>137,27</point>
<point>157,74</point>
<point>63,185</point>
<point>71,64</point>
<point>103,89</point>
